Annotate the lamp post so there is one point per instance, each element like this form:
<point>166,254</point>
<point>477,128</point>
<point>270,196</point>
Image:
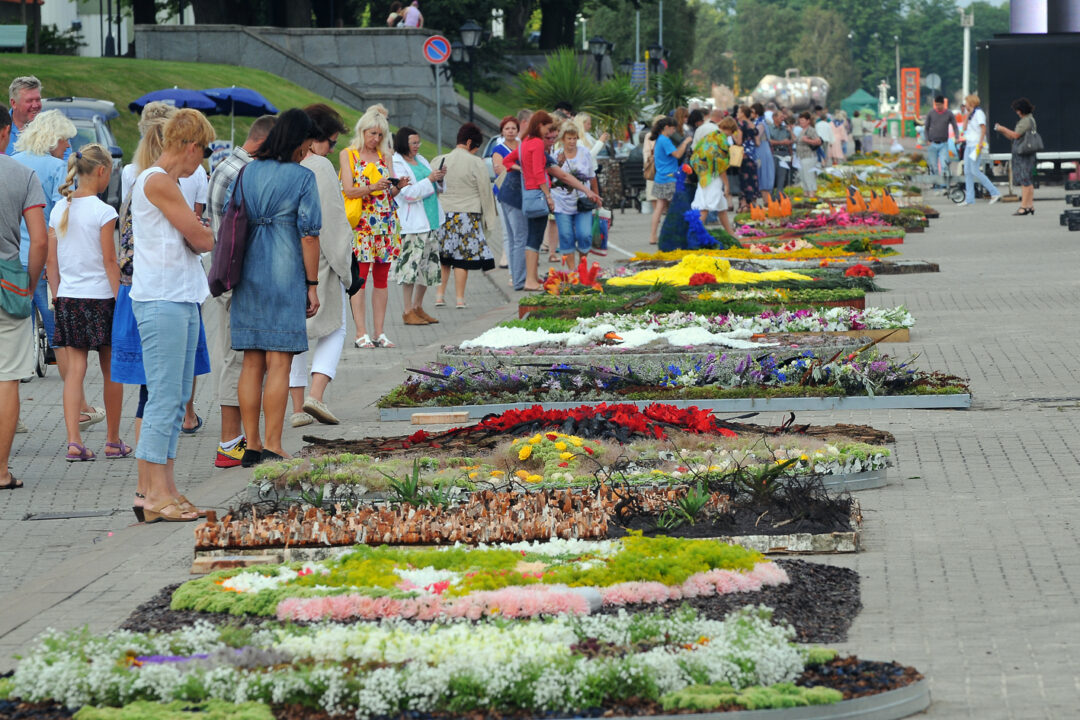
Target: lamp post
<point>966,21</point>
<point>896,40</point>
<point>471,34</point>
<point>627,66</point>
<point>598,48</point>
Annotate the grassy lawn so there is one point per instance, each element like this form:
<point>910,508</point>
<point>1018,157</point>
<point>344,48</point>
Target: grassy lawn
<point>500,105</point>
<point>123,80</point>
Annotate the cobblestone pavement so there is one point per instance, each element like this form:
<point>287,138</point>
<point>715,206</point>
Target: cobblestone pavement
<point>970,567</point>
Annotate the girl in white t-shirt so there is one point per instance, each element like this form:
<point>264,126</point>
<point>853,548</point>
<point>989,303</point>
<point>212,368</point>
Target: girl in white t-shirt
<point>84,278</point>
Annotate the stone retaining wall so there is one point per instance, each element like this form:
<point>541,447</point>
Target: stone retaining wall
<point>356,67</point>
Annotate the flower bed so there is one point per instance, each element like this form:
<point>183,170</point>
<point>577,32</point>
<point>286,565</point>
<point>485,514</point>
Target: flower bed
<point>718,269</point>
<point>867,235</point>
<point>858,374</point>
<point>559,665</point>
<point>513,581</point>
<point>555,459</point>
<point>620,329</point>
<point>773,253</point>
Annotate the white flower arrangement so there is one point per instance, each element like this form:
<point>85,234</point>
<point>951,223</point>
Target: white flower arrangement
<point>419,666</point>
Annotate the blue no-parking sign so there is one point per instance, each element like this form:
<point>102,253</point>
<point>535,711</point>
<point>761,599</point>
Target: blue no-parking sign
<point>436,49</point>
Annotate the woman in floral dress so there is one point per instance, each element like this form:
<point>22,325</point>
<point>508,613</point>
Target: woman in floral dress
<point>366,176</point>
<point>748,171</point>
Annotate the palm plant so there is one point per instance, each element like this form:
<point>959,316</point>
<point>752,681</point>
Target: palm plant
<point>562,80</point>
<point>618,102</point>
<point>673,89</point>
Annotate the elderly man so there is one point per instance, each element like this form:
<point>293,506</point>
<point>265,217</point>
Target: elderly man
<point>231,448</point>
<point>24,94</point>
<point>21,198</point>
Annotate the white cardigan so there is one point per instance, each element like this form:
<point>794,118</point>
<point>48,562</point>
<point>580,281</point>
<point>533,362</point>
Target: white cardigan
<point>411,214</point>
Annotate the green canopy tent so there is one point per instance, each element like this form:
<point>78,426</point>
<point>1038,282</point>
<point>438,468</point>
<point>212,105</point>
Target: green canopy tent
<point>859,100</point>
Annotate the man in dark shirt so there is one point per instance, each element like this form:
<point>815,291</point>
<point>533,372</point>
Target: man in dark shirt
<point>936,126</point>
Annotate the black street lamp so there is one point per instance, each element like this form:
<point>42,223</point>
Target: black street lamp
<point>471,35</point>
<point>627,66</point>
<point>598,47</point>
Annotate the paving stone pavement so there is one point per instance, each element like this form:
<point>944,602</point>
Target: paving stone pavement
<point>970,567</point>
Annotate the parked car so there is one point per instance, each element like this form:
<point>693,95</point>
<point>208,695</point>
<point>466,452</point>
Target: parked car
<point>91,118</point>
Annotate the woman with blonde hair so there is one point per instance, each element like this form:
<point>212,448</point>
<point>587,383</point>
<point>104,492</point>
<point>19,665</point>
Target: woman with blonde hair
<point>168,283</point>
<point>366,176</point>
<point>574,223</point>
<point>974,139</point>
<point>41,147</point>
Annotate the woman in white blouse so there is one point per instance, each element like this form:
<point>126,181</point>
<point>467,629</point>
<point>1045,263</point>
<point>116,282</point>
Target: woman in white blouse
<point>420,215</point>
<point>168,283</point>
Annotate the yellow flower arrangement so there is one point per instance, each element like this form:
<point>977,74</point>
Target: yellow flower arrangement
<point>721,269</point>
<point>560,446</point>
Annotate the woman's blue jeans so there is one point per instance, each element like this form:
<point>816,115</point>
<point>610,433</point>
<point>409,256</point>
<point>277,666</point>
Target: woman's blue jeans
<point>517,230</point>
<point>972,172</point>
<point>575,232</point>
<point>169,333</point>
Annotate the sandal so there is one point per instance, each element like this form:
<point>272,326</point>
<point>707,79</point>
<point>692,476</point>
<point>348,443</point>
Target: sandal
<point>192,430</point>
<point>439,302</point>
<point>122,450</point>
<point>363,342</point>
<point>384,342</point>
<point>83,455</point>
<point>462,305</point>
<point>15,484</point>
<point>161,512</point>
<point>189,506</point>
<point>139,510</point>
<point>1025,211</point>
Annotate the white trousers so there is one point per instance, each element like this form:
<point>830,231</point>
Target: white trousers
<point>325,356</point>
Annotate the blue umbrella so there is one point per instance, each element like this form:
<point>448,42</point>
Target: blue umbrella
<point>180,98</point>
<point>240,101</point>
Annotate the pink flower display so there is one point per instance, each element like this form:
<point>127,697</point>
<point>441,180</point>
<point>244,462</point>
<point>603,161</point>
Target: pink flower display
<point>529,600</point>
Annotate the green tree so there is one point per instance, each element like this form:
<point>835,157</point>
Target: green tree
<point>825,50</point>
<point>712,38</point>
<point>615,22</point>
<point>763,39</point>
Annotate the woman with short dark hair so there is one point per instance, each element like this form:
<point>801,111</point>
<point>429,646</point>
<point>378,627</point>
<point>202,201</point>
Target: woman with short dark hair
<point>421,216</point>
<point>326,328</point>
<point>278,288</point>
<point>1023,165</point>
<point>469,205</point>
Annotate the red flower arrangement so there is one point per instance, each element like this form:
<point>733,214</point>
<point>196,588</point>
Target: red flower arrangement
<point>858,270</point>
<point>702,278</point>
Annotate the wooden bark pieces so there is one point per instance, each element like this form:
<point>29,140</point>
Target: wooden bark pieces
<point>487,517</point>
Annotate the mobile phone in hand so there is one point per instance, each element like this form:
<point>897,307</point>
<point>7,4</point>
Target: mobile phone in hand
<point>442,165</point>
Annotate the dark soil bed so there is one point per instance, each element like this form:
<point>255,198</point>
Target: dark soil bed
<point>745,521</point>
<point>820,602</point>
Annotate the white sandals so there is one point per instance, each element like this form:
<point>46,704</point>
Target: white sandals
<point>384,342</point>
<point>363,342</point>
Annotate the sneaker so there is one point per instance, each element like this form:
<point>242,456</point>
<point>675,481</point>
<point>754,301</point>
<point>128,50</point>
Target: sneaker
<point>230,458</point>
<point>20,427</point>
<point>300,419</point>
<point>994,199</point>
<point>318,410</point>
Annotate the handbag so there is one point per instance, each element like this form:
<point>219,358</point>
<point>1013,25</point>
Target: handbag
<point>354,207</point>
<point>735,155</point>
<point>649,168</point>
<point>227,265</point>
<point>585,205</point>
<point>534,204</point>
<point>1029,144</point>
<point>601,223</point>
<point>16,298</point>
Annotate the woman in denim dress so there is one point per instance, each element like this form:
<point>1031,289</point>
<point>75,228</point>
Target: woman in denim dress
<point>277,289</point>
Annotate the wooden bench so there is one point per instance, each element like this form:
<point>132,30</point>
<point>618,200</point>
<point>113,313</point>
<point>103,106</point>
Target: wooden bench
<point>13,36</point>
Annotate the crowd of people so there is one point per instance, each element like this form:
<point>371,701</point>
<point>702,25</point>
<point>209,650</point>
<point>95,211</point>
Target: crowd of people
<point>131,284</point>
